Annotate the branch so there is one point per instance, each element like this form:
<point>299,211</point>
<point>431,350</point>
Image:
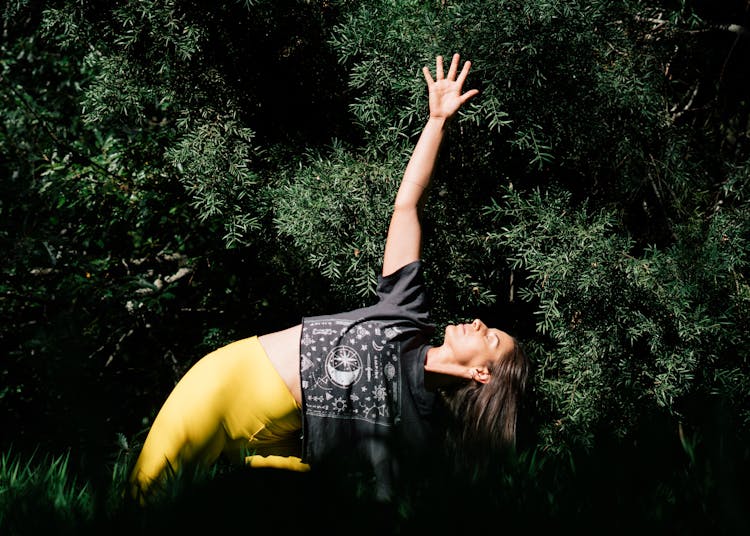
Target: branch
<point>741,31</point>
<point>676,114</point>
<point>732,28</point>
<point>117,346</point>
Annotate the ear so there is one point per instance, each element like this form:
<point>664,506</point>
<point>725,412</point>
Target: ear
<point>480,374</point>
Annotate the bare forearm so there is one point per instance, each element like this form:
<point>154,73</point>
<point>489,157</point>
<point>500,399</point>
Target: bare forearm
<point>421,165</point>
<point>404,242</point>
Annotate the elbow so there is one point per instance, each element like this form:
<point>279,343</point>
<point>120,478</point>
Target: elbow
<point>404,209</point>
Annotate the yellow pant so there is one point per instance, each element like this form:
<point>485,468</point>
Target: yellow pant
<point>232,401</point>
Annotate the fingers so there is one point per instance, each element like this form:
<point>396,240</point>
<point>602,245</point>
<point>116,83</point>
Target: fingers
<point>464,72</point>
<point>453,68</point>
<point>469,94</point>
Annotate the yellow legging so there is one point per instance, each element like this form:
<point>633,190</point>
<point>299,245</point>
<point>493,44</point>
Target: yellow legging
<point>232,401</point>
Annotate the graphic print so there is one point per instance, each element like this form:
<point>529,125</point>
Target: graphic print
<point>343,366</point>
<point>351,370</point>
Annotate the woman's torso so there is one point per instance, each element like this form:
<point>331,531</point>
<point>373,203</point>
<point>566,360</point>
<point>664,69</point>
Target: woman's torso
<point>282,348</point>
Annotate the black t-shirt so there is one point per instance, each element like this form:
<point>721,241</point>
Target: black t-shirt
<point>362,371</point>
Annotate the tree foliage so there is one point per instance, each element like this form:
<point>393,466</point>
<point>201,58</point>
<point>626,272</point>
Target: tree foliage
<point>176,175</point>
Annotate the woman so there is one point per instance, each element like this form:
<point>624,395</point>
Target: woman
<point>364,383</point>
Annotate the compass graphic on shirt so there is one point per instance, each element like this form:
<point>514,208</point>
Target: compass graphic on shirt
<point>343,366</point>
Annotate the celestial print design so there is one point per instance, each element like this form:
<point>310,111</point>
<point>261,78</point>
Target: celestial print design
<point>351,370</point>
<point>343,366</point>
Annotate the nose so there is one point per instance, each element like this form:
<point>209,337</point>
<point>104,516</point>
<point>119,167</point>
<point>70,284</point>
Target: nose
<point>477,324</point>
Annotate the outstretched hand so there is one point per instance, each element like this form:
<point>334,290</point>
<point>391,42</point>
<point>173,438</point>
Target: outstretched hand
<point>445,91</point>
<point>404,241</point>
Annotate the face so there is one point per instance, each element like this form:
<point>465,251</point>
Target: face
<point>476,345</point>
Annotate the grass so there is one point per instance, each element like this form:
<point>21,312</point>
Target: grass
<point>617,489</point>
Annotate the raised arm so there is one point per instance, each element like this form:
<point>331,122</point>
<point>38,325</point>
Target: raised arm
<point>404,242</point>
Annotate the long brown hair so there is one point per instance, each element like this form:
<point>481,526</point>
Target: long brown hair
<point>484,416</point>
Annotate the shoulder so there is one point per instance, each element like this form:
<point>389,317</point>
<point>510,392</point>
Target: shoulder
<point>403,285</point>
<point>408,275</point>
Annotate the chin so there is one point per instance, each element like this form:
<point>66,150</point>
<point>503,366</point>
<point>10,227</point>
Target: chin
<point>450,332</point>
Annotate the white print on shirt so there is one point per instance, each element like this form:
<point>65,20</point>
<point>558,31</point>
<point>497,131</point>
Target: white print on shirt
<point>352,372</point>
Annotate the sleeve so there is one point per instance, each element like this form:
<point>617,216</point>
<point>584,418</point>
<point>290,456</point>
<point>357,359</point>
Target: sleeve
<point>404,289</point>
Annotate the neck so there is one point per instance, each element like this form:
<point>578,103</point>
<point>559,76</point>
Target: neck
<point>442,368</point>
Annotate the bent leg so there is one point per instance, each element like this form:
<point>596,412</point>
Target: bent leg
<point>233,401</point>
<point>188,430</point>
